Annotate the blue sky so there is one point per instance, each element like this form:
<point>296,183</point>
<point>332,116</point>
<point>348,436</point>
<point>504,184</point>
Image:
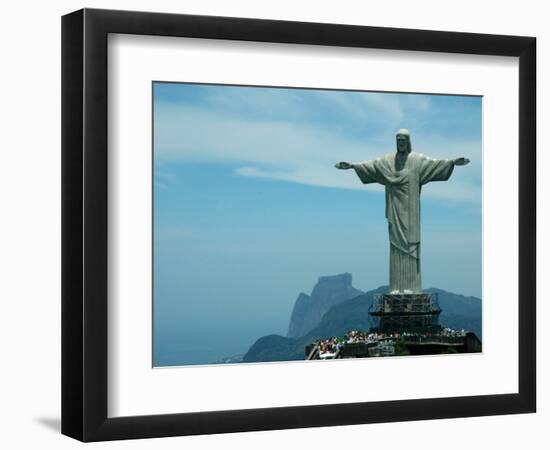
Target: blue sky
<point>249,209</point>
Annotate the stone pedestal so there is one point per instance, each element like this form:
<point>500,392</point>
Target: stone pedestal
<point>405,312</point>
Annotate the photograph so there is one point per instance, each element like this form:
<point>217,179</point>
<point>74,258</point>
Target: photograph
<point>306,224</point>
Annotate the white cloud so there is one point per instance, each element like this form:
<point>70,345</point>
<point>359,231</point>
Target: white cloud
<point>305,153</point>
<point>312,175</point>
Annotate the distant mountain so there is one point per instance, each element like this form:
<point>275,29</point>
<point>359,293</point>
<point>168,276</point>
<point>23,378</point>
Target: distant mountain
<point>275,348</point>
<point>310,309</point>
<point>458,312</point>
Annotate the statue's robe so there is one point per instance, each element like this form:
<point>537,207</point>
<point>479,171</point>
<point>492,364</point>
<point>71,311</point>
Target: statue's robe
<point>403,209</point>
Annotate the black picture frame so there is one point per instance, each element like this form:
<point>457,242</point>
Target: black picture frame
<point>84,224</point>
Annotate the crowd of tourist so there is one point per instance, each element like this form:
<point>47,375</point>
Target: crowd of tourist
<point>328,348</point>
<point>449,332</point>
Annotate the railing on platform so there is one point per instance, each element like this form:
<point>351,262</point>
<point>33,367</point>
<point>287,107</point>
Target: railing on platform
<point>313,353</point>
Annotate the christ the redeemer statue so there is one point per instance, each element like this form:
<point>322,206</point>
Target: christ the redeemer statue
<point>403,173</point>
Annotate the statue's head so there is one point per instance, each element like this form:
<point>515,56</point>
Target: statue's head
<point>403,140</point>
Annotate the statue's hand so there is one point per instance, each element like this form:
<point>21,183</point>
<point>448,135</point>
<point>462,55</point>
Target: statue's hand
<point>461,161</point>
<point>343,165</point>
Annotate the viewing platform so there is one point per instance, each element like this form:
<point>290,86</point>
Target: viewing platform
<point>401,324</point>
<point>364,345</point>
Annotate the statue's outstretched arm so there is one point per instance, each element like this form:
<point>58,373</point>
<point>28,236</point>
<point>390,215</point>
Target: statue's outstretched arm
<point>344,165</point>
<point>461,161</point>
<point>367,171</point>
